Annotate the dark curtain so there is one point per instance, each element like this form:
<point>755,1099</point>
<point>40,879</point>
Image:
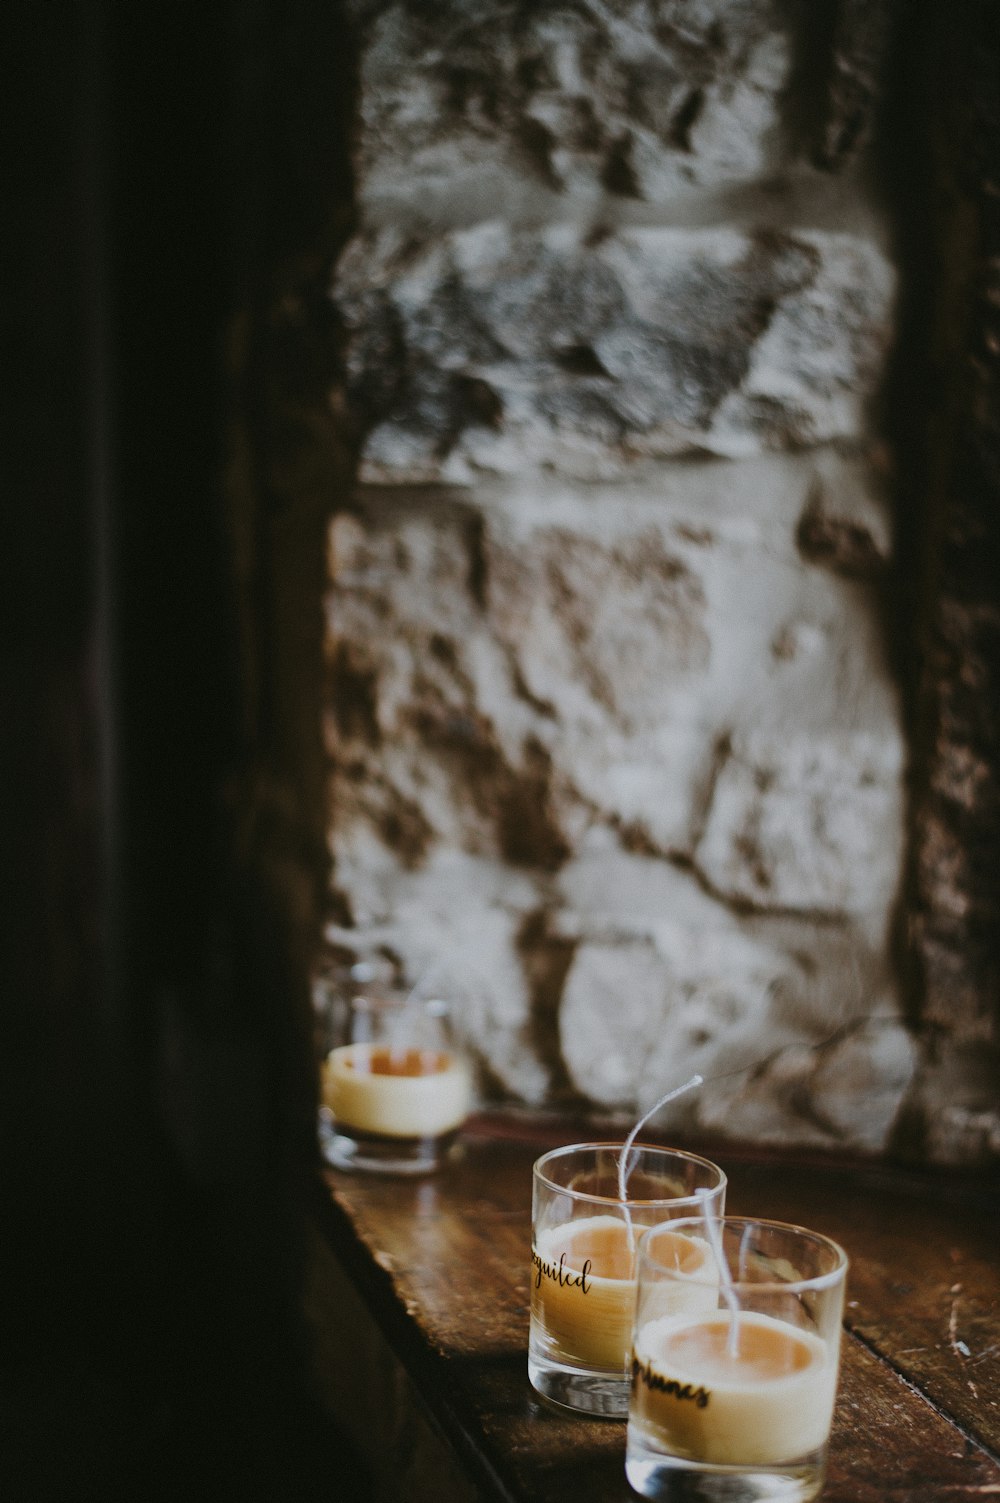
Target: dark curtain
<point>178,191</point>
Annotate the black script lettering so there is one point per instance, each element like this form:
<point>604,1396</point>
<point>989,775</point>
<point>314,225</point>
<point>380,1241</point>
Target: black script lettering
<point>559,1274</point>
<point>657,1383</point>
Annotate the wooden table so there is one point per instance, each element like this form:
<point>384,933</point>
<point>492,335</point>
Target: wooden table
<point>420,1293</point>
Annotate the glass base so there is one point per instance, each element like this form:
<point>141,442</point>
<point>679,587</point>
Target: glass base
<point>371,1153</point>
<point>672,1479</point>
<point>598,1394</point>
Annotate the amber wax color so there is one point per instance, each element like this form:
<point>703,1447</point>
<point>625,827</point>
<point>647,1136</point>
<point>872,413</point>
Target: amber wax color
<point>763,1398</point>
<point>583,1287</point>
<point>396,1093</point>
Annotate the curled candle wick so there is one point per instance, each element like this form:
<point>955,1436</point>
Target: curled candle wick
<point>401,1035</point>
<point>625,1169</point>
<point>728,1287</point>
<point>421,981</point>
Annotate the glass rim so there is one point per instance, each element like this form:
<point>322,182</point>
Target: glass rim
<point>818,1281</point>
<point>399,1001</point>
<point>539,1166</point>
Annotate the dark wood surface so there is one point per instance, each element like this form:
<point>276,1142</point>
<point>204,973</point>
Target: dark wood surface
<point>443,1265</point>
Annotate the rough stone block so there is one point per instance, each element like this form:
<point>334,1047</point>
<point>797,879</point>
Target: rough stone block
<point>431,744</point>
<point>636,1022</point>
<point>845,1093</point>
<point>562,710</point>
<point>495,350</point>
<point>600,621</point>
<point>955,1097</point>
<point>847,523</point>
<point>806,824</point>
<point>861,1079</point>
<point>633,100</point>
<point>505,676</point>
<point>665,982</point>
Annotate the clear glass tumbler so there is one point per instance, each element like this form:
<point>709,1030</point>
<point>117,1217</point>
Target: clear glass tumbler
<point>397,1090</point>
<point>735,1358</point>
<point>584,1243</point>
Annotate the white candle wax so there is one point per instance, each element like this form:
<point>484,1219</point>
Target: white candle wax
<point>768,1403</point>
<point>404,1093</point>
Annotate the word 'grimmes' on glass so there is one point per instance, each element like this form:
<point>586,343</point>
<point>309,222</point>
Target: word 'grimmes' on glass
<point>655,1381</point>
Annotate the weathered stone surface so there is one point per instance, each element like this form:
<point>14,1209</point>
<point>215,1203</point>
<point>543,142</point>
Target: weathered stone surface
<point>861,1079</point>
<point>614,733</point>
<point>847,523</point>
<point>845,1092</point>
<point>666,982</point>
<point>431,745</point>
<point>956,801</point>
<point>861,42</point>
<point>532,701</point>
<point>805,823</point>
<point>499,350</point>
<point>453,927</point>
<point>954,1098</point>
<point>503,678</point>
<point>637,1019</point>
<point>632,100</point>
<point>594,622</point>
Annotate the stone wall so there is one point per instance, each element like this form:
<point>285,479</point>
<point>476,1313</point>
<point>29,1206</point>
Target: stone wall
<point>616,744</point>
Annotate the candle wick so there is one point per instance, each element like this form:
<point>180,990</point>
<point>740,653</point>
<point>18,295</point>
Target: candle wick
<point>728,1287</point>
<point>625,1168</point>
<point>744,1240</point>
<point>401,1033</point>
<point>420,983</point>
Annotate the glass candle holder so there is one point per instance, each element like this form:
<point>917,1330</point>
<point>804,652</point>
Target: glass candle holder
<point>732,1396</point>
<point>397,1090</point>
<point>585,1239</point>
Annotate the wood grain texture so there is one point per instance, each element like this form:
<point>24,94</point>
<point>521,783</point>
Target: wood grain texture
<point>443,1265</point>
<point>924,1283</point>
